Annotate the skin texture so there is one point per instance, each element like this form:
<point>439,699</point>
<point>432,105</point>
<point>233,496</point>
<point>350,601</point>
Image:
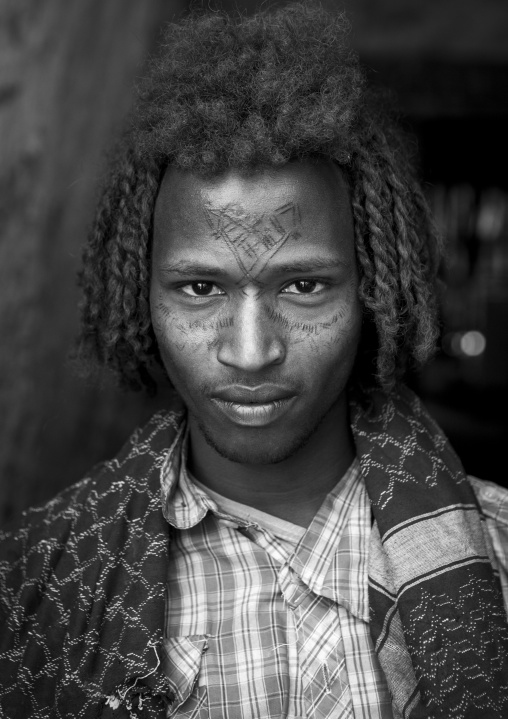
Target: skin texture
<point>254,286</point>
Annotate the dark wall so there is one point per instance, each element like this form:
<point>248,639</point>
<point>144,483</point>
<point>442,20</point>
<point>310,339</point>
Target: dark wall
<point>66,71</point>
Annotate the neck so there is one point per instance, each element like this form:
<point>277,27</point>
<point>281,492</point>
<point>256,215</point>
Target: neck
<point>293,489</point>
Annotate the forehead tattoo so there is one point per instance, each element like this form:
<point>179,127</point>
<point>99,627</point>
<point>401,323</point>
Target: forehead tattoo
<point>253,239</point>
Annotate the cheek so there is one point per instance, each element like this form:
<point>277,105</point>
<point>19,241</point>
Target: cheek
<point>341,333</point>
<point>345,331</point>
<point>180,339</point>
<point>334,344</point>
<point>336,333</point>
<point>179,347</point>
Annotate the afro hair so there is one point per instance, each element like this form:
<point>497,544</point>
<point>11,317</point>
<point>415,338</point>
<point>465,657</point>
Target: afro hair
<point>245,93</point>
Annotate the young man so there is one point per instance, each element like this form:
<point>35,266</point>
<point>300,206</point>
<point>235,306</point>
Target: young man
<point>295,536</point>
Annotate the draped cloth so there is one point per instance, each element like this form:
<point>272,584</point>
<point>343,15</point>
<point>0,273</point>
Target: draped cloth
<point>437,617</point>
<point>82,581</point>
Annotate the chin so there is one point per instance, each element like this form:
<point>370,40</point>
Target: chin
<point>255,447</point>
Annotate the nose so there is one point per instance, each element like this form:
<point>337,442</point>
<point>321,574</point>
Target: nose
<point>251,341</point>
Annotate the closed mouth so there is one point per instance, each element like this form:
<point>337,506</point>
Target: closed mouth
<point>252,406</point>
<point>254,414</point>
<point>260,395</point>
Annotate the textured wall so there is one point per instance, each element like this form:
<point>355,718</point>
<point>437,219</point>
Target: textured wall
<point>66,69</point>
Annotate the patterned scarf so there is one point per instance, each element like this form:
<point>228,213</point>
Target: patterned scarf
<point>437,615</point>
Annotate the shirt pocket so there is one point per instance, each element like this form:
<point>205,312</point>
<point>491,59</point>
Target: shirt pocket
<point>182,663</point>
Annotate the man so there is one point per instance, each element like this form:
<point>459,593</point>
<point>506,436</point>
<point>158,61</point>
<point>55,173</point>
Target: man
<point>295,536</point>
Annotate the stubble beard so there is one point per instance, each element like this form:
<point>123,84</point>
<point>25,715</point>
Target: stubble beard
<point>269,454</point>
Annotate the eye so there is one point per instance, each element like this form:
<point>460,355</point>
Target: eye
<point>201,289</point>
<point>304,287</point>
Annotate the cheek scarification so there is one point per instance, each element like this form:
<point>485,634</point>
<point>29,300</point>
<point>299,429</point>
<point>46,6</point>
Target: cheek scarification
<point>174,331</point>
<point>310,328</point>
<point>163,309</point>
<point>201,326</point>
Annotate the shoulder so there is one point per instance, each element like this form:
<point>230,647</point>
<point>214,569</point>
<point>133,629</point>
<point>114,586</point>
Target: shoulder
<point>493,500</point>
<point>60,536</point>
<point>82,577</point>
<point>134,467</point>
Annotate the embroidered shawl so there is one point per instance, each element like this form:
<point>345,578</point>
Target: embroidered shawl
<point>437,614</point>
<point>82,581</point>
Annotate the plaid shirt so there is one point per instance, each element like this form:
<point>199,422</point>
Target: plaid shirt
<point>265,619</point>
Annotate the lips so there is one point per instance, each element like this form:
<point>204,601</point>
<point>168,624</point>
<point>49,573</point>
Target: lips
<point>262,394</point>
<point>253,406</point>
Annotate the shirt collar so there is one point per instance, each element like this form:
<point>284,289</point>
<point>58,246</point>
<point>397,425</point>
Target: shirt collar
<point>332,557</point>
<point>183,504</point>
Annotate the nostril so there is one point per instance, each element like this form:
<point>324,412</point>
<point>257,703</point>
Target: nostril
<point>252,353</point>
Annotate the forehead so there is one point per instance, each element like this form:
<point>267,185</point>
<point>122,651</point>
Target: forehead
<point>306,202</point>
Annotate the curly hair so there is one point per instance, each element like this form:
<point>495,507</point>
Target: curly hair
<point>250,92</point>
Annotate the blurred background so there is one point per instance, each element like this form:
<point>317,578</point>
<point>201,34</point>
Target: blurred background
<point>66,76</point>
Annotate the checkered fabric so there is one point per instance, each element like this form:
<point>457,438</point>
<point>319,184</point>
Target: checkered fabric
<point>276,630</point>
<point>493,501</point>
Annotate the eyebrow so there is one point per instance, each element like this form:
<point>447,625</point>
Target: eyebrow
<point>191,269</point>
<point>311,265</point>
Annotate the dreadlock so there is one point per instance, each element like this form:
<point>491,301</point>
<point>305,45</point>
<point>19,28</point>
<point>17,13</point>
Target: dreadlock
<point>256,92</point>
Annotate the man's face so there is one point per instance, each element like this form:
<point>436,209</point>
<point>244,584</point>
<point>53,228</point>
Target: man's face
<point>254,303</point>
